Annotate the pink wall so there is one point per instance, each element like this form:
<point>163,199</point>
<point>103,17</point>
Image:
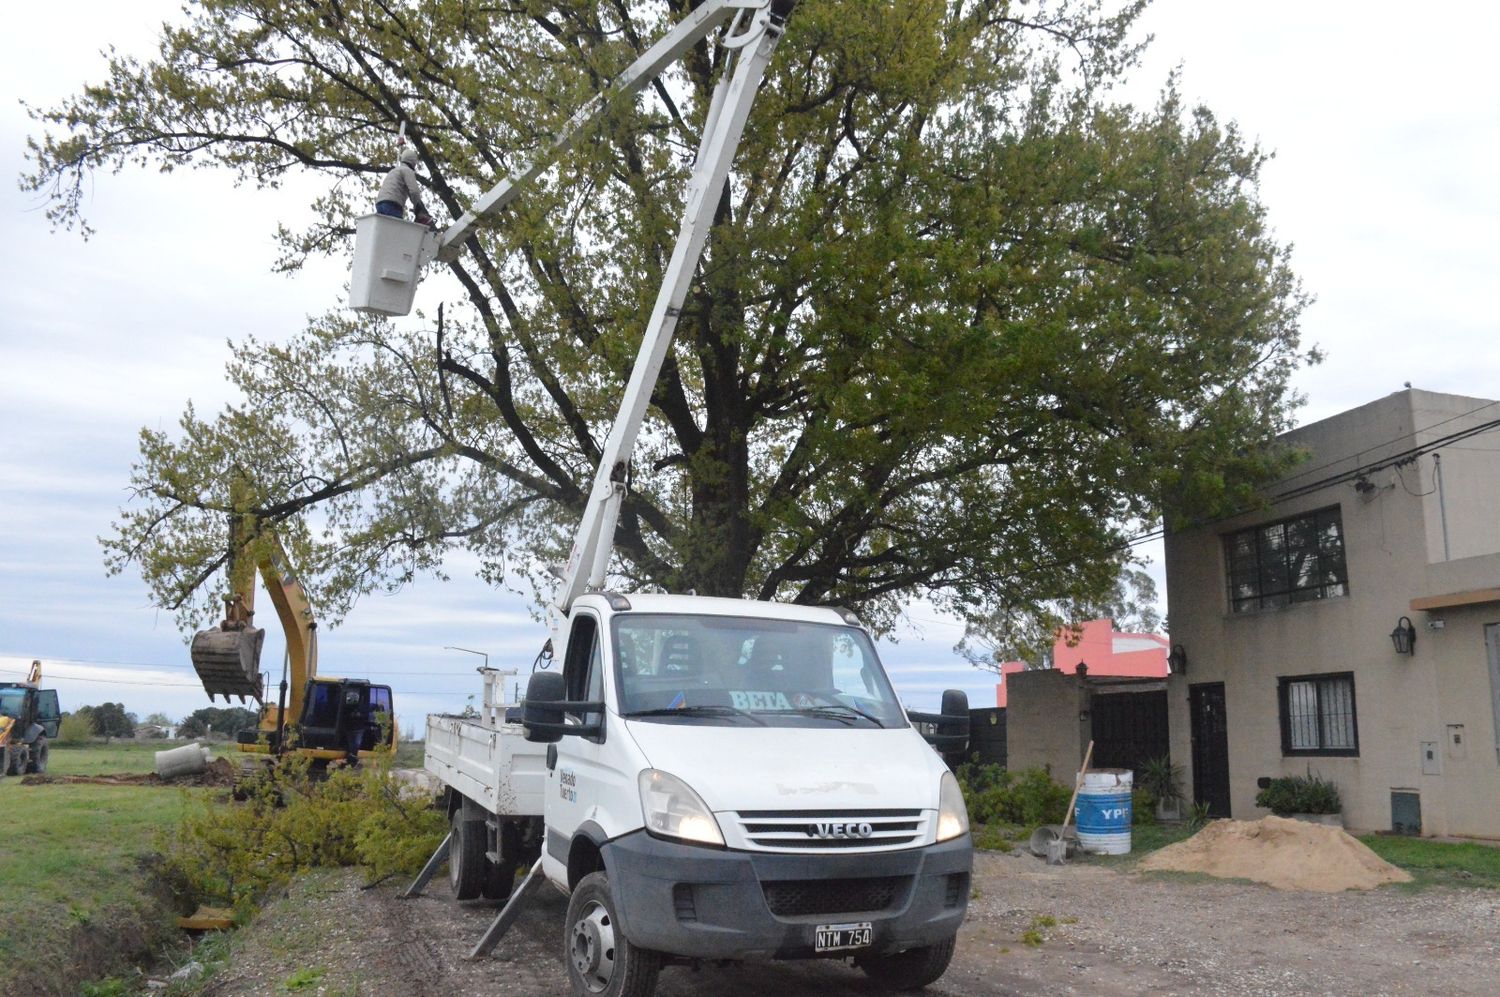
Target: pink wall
<point>1107,652</point>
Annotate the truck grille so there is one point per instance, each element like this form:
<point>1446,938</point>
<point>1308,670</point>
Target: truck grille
<point>830,830</point>
<point>806,897</point>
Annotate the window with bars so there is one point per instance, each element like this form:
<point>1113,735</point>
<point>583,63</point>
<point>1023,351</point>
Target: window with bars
<point>1318,715</point>
<point>1292,560</point>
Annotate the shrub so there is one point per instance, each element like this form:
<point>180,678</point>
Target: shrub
<point>289,820</point>
<point>1299,794</point>
<point>1162,778</point>
<point>996,795</point>
<point>76,728</point>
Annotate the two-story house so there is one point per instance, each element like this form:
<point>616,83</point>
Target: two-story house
<point>1353,627</point>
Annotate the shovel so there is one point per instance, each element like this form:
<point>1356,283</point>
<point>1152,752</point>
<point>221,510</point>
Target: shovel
<point>1052,841</point>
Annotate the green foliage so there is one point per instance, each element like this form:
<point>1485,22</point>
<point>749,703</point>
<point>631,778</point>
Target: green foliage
<point>224,721</point>
<point>108,719</point>
<point>76,728</point>
<point>1162,778</point>
<point>1199,816</point>
<point>1300,794</point>
<point>291,819</point>
<point>303,979</point>
<point>1142,806</point>
<point>1027,799</point>
<point>963,326</point>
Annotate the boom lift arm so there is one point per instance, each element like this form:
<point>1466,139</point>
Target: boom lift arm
<point>751,38</point>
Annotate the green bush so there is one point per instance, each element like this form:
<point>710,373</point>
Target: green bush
<point>76,728</point>
<point>1142,806</point>
<point>1300,794</point>
<point>289,819</point>
<point>997,796</point>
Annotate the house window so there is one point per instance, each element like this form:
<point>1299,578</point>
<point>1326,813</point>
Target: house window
<point>1318,716</point>
<point>1293,560</point>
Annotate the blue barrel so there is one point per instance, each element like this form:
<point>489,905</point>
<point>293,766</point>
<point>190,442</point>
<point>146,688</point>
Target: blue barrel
<point>1104,812</point>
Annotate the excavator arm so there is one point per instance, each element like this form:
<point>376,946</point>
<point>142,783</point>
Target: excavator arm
<point>227,658</point>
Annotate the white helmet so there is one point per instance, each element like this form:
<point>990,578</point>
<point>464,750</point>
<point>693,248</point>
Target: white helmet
<point>408,156</point>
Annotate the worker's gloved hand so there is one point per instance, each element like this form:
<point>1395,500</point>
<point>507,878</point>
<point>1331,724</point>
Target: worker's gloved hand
<point>424,219</point>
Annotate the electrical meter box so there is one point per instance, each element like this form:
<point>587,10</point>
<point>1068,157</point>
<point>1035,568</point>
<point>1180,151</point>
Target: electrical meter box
<point>389,254</point>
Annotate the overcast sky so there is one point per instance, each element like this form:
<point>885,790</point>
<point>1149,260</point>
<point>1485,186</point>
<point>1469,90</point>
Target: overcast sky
<point>1386,129</point>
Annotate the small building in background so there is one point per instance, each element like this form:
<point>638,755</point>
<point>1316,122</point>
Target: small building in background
<point>1105,650</point>
<point>1104,686</point>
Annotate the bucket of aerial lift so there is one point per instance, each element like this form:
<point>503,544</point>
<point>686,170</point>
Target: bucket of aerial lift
<point>228,661</point>
<point>389,254</point>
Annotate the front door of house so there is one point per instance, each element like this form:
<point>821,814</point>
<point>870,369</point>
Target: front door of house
<point>1210,732</point>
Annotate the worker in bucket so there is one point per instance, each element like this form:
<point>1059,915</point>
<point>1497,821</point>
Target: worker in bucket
<point>400,185</point>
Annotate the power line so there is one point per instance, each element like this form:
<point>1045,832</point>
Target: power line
<point>1360,453</point>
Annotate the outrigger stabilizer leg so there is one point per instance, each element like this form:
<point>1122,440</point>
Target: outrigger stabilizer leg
<point>428,871</point>
<point>508,914</point>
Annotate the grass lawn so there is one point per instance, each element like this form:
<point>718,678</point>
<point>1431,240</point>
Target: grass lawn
<point>1439,863</point>
<point>98,758</point>
<point>75,852</point>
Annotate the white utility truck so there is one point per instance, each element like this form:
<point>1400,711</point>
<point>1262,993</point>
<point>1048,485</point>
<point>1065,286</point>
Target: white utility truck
<point>708,779</point>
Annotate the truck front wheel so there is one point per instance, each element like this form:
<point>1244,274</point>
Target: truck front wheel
<point>912,969</point>
<point>601,962</point>
<point>466,860</point>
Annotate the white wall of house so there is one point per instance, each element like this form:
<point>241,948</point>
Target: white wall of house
<point>1394,551</point>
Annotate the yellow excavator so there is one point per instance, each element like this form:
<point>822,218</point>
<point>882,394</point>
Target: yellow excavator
<point>325,719</point>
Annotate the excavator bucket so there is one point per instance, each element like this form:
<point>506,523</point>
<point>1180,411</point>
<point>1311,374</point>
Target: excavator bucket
<point>228,661</point>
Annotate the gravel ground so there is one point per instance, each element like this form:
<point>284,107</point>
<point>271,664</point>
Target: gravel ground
<point>1114,933</point>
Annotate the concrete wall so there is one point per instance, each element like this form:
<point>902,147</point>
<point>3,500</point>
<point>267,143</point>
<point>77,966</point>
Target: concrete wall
<point>1042,725</point>
<point>1401,702</point>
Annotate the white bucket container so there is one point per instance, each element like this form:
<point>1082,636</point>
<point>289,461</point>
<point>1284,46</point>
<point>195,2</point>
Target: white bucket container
<point>389,254</point>
<point>1104,811</point>
<point>190,759</point>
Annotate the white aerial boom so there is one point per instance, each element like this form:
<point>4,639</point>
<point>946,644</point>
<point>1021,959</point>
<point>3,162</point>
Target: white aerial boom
<point>390,253</point>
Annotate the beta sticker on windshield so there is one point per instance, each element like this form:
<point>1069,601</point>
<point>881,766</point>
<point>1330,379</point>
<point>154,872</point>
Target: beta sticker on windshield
<point>749,699</point>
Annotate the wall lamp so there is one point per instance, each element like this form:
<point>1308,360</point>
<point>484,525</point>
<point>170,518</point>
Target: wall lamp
<point>1404,636</point>
<point>1177,660</point>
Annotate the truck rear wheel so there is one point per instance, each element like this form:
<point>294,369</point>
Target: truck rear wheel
<point>466,861</point>
<point>912,969</point>
<point>601,961</point>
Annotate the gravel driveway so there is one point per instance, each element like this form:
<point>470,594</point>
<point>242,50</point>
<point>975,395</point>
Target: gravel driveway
<point>1096,931</point>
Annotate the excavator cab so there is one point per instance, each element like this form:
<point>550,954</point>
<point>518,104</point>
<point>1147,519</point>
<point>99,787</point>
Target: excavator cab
<point>339,717</point>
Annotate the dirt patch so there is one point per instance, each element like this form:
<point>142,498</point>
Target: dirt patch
<point>220,772</point>
<point>1286,854</point>
<point>1092,930</point>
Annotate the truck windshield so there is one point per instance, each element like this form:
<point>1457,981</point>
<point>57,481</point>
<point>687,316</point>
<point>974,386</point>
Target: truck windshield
<point>739,671</point>
<point>11,701</point>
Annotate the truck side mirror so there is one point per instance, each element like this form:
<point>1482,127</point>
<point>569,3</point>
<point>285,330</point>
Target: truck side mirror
<point>949,733</point>
<point>955,728</point>
<point>540,714</point>
<point>544,712</point>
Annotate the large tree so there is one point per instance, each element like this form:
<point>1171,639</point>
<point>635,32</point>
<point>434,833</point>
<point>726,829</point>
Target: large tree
<point>965,322</point>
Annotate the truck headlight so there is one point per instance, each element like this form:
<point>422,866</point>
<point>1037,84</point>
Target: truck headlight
<point>953,815</point>
<point>672,810</point>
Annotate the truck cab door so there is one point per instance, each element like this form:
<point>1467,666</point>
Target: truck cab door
<point>47,712</point>
<point>578,779</point>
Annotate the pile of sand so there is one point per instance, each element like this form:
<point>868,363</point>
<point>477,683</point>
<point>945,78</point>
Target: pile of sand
<point>1287,854</point>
